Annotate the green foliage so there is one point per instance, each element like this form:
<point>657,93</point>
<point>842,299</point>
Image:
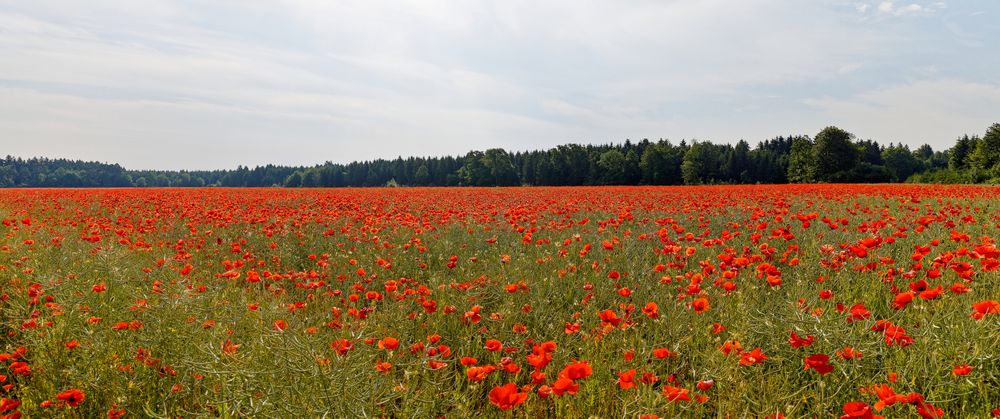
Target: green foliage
<point>943,176</point>
<point>801,164</point>
<point>833,152</point>
<point>422,176</point>
<point>612,164</point>
<point>832,157</point>
<point>41,172</point>
<point>985,159</point>
<point>737,165</point>
<point>900,162</point>
<point>493,167</point>
<point>703,163</point>
<point>960,153</point>
<point>660,164</point>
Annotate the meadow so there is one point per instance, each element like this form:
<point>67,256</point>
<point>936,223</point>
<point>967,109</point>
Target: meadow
<point>750,301</point>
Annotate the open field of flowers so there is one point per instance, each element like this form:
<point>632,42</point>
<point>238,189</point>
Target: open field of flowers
<point>725,302</point>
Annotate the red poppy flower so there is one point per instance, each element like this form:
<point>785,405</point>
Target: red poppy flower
<point>819,362</point>
<point>753,357</point>
<point>985,307</point>
<point>626,380</point>
<point>860,410</point>
<point>961,370</point>
<point>507,396</point>
<point>676,394</point>
<point>72,397</point>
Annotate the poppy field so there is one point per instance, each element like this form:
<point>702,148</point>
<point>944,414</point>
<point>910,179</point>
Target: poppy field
<point>827,301</point>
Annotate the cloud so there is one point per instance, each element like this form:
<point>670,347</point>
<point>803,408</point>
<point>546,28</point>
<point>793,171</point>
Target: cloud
<point>365,79</point>
<point>895,8</point>
<point>927,111</point>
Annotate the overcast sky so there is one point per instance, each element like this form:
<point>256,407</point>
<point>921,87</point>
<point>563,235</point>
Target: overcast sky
<point>171,84</point>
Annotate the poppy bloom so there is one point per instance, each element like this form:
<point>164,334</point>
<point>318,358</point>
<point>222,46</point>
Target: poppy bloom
<point>961,370</point>
<point>858,312</point>
<point>539,357</point>
<point>731,347</point>
<point>7,405</point>
<point>902,300</point>
<point>564,385</point>
<point>753,357</point>
<point>73,397</point>
<point>929,411</point>
<point>797,342</point>
<point>383,366</point>
<point>959,288</point>
<point>700,305</point>
<point>932,293</point>
<point>537,377</point>
<point>819,362</point>
<point>577,371</point>
<point>341,346</point>
<point>389,343</point>
<point>704,385</point>
<point>985,307</point>
<point>859,410</point>
<point>229,348</point>
<point>476,374</point>
<point>507,396</point>
<point>626,380</point>
<point>663,353</point>
<point>887,396</point>
<point>116,413</point>
<point>849,353</point>
<point>676,394</point>
<point>609,317</point>
<point>652,310</point>
<point>895,335</point>
<point>494,345</point>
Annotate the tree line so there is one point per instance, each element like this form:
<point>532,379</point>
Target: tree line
<point>833,155</point>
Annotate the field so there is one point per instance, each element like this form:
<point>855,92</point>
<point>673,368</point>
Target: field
<point>725,302</point>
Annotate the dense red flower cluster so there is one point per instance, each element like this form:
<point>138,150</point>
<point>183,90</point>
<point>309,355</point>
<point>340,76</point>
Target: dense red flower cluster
<point>683,302</point>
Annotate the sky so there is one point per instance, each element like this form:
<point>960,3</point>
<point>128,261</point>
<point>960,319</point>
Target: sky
<point>178,84</point>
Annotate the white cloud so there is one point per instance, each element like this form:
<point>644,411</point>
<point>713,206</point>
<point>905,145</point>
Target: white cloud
<point>928,111</point>
<point>364,79</point>
<point>896,8</point>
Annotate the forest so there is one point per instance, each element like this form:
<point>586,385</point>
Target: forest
<point>832,156</point>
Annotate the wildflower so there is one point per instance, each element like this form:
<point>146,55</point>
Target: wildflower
<point>753,357</point>
<point>507,396</point>
<point>72,397</point>
<point>819,362</point>
<point>675,394</point>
